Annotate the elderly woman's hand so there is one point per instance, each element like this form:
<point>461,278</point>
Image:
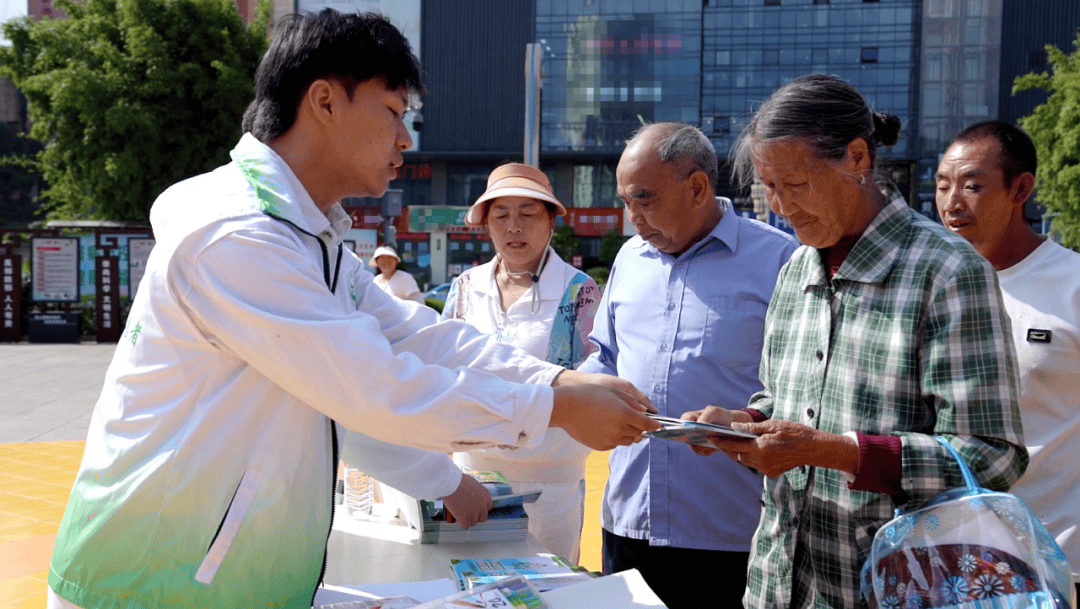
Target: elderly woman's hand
<point>784,445</point>
<point>716,416</point>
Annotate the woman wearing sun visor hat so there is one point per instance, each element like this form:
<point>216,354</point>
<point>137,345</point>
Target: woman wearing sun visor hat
<point>529,297</point>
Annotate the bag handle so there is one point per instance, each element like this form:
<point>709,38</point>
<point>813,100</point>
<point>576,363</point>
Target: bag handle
<point>969,478</point>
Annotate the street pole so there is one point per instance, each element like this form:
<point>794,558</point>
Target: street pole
<point>533,83</point>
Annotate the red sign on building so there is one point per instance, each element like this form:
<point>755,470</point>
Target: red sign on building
<point>364,216</point>
<point>595,221</point>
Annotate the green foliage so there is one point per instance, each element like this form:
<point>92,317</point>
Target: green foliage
<point>435,303</point>
<point>18,178</point>
<point>1055,128</point>
<point>599,274</point>
<point>130,96</point>
<point>564,242</point>
<point>610,244</point>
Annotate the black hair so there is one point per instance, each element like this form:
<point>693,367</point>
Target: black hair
<point>824,112</point>
<point>1017,150</point>
<point>350,48</point>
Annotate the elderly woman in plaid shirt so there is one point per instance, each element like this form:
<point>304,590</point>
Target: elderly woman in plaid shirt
<point>884,330</point>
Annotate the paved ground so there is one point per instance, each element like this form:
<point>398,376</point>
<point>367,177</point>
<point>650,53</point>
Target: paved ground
<point>48,391</point>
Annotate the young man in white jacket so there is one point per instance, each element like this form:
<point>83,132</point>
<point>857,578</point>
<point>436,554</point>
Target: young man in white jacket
<point>210,462</point>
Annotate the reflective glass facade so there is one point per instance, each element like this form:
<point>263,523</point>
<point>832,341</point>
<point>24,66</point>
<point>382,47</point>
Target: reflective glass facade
<point>751,47</point>
<point>961,48</point>
<point>610,65</point>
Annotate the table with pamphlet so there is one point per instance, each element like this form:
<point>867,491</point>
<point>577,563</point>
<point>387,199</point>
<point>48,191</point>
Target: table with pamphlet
<point>362,552</point>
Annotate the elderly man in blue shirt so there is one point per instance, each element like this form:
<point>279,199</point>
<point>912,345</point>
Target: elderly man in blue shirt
<point>682,317</point>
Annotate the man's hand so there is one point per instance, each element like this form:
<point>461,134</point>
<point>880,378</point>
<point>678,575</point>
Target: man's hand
<point>599,410</point>
<point>623,387</point>
<point>469,504</point>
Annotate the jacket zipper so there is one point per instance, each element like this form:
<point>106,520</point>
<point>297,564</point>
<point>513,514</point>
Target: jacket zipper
<point>333,504</point>
<point>331,283</point>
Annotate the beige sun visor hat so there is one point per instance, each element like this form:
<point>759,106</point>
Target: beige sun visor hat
<point>383,250</point>
<point>513,180</point>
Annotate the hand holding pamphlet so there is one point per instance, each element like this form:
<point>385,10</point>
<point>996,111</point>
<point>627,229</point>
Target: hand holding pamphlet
<point>693,432</point>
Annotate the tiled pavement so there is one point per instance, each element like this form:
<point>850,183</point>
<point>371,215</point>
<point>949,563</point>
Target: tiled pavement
<point>47,393</point>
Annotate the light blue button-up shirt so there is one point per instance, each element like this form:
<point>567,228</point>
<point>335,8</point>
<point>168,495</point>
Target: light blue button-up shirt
<point>688,332</point>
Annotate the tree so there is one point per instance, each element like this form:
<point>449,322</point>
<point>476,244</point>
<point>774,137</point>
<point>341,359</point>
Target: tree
<point>130,96</point>
<point>610,244</point>
<point>18,180</point>
<point>1055,128</point>
<point>564,242</point>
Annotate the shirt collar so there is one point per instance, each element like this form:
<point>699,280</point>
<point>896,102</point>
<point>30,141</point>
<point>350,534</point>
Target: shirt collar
<point>876,251</point>
<point>550,284</point>
<point>726,232</point>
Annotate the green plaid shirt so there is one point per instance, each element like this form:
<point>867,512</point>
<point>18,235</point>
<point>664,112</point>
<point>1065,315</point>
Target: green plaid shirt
<point>919,344</point>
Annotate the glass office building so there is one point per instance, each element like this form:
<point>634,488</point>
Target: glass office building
<point>609,66</point>
<point>961,76</point>
<point>751,47</point>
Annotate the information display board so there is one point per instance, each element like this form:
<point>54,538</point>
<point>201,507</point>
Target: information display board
<point>10,297</point>
<point>54,268</point>
<point>138,253</point>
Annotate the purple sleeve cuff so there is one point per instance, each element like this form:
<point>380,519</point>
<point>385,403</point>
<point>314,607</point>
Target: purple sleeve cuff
<point>756,415</point>
<point>880,465</point>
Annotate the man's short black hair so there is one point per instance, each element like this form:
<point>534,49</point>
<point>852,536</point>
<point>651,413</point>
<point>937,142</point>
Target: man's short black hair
<point>350,48</point>
<point>1017,149</point>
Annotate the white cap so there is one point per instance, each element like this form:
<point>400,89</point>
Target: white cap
<point>384,250</point>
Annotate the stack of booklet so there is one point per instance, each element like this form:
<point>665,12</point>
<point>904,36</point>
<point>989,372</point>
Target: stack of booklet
<point>506,521</point>
<point>545,571</point>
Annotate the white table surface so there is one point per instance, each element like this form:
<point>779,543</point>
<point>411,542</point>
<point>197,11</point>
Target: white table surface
<point>361,552</point>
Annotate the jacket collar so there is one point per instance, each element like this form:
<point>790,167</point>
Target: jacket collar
<point>281,194</point>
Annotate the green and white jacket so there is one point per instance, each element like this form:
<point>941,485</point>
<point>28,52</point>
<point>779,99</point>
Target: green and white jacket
<point>210,459</point>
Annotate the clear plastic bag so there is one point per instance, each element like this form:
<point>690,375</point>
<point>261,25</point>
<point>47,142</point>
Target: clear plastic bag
<point>967,548</point>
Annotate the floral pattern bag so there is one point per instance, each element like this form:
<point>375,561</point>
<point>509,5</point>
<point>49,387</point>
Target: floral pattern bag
<point>967,548</point>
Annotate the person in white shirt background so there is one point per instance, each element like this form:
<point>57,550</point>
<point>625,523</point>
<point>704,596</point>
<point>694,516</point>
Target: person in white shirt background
<point>529,297</point>
<point>983,182</point>
<point>393,280</point>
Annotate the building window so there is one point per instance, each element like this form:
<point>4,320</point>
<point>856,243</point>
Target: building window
<point>1037,60</point>
<point>772,2</point>
<point>770,57</point>
<point>821,1</point>
<point>868,1</point>
<point>869,55</point>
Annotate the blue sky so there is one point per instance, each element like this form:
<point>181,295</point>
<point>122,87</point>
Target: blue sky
<point>9,9</point>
